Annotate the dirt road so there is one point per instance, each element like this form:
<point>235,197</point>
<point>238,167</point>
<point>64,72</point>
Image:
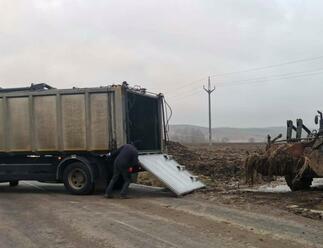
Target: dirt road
<point>43,215</point>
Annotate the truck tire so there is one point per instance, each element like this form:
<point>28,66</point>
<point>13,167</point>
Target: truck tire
<point>13,183</point>
<point>77,179</point>
<point>303,183</point>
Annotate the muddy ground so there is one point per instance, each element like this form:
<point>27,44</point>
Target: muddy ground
<point>227,213</point>
<point>221,168</point>
<point>36,215</point>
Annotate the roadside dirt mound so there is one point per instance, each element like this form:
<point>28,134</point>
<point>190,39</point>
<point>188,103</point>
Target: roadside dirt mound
<point>211,163</point>
<point>220,166</point>
<point>184,155</point>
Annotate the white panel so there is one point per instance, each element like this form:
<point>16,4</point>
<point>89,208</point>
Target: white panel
<point>172,174</point>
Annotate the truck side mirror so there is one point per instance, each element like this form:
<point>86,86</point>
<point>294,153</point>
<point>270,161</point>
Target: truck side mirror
<point>316,120</point>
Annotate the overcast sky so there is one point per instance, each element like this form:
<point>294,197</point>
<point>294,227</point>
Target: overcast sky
<point>171,47</point>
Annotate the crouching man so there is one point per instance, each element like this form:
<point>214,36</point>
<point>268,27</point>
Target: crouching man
<point>125,157</point>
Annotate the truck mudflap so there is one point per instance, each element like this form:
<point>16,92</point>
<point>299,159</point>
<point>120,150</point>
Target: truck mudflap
<point>171,173</point>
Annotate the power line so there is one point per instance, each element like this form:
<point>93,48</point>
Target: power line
<point>257,68</point>
<point>193,82</point>
<point>274,79</point>
<point>270,66</point>
<point>262,79</point>
<point>283,75</point>
<point>196,90</point>
<point>182,97</point>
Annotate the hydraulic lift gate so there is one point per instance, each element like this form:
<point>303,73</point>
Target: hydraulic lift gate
<point>172,174</point>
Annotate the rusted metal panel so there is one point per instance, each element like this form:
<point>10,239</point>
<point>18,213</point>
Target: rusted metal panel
<point>45,123</point>
<point>73,122</point>
<point>2,131</point>
<point>18,118</point>
<point>113,121</point>
<point>120,116</point>
<point>99,138</point>
<point>60,120</point>
<point>67,120</point>
<point>316,162</point>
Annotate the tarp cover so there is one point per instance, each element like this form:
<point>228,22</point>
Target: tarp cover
<point>172,174</point>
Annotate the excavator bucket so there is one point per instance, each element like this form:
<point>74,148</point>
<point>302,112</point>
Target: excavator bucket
<point>299,159</point>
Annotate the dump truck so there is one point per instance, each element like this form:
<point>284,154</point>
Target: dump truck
<point>62,135</point>
<point>298,157</point>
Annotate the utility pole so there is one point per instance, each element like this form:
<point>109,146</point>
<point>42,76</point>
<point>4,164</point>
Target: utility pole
<point>209,91</point>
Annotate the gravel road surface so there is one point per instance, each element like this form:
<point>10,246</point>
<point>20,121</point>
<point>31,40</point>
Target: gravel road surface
<point>44,215</point>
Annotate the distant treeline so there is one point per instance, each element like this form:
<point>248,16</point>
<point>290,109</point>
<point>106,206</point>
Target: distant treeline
<point>196,134</point>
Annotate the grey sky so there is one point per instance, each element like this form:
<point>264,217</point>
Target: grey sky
<point>166,46</point>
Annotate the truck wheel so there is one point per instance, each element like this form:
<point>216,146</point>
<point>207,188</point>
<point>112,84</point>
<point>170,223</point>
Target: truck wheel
<point>77,179</point>
<point>13,183</point>
<point>300,184</point>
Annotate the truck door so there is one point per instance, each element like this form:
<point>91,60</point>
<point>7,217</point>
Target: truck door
<point>144,120</point>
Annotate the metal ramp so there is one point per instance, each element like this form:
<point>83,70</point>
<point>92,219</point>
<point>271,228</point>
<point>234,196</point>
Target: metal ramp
<point>172,174</point>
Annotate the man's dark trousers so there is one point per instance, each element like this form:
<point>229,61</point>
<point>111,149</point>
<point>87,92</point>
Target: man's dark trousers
<point>119,170</point>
